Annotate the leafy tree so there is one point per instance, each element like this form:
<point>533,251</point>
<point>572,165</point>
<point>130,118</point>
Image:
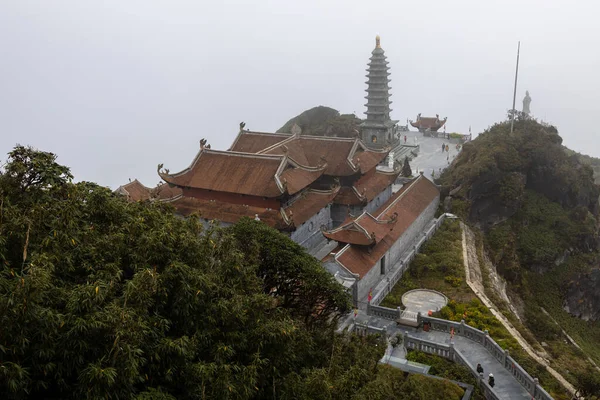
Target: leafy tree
<point>406,170</point>
<point>104,298</point>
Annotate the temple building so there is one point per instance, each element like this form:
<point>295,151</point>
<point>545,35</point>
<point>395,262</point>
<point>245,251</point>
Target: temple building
<point>136,191</point>
<point>379,130</point>
<point>428,124</point>
<point>295,183</point>
<point>373,242</point>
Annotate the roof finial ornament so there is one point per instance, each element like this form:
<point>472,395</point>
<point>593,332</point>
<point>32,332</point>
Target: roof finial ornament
<point>377,42</point>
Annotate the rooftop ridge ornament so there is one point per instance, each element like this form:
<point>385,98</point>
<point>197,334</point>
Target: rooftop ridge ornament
<point>377,42</point>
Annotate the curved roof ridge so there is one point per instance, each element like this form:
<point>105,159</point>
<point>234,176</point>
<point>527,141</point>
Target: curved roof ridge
<point>392,172</point>
<point>266,133</point>
<point>179,196</point>
<point>332,190</point>
<point>329,138</point>
<point>278,144</point>
<point>305,167</point>
<point>224,152</point>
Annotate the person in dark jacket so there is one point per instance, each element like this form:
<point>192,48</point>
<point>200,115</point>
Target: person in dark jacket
<point>479,369</point>
<point>491,381</point>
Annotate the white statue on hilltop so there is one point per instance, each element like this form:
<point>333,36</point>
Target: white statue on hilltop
<point>526,103</point>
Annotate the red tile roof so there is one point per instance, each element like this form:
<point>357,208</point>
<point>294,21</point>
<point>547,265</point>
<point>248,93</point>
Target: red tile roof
<point>433,123</point>
<point>367,187</point>
<point>226,212</point>
<point>307,204</point>
<point>253,142</point>
<point>134,191</point>
<point>244,173</point>
<point>165,191</point>
<point>387,224</point>
<point>344,156</point>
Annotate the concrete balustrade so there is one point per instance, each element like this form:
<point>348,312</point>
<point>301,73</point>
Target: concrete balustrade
<point>384,312</point>
<point>527,381</point>
<point>450,353</point>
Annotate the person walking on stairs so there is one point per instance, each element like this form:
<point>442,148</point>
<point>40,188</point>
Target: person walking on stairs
<point>491,381</point>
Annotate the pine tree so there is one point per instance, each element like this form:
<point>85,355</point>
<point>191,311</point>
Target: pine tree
<point>406,170</point>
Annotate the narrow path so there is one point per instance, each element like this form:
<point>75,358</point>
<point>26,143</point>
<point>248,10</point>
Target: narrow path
<point>507,387</point>
<point>477,288</point>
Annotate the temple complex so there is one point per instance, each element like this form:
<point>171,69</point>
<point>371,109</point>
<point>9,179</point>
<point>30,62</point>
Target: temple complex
<point>295,183</point>
<point>379,130</point>
<point>324,192</point>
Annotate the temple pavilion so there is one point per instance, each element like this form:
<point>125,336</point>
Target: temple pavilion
<point>431,124</point>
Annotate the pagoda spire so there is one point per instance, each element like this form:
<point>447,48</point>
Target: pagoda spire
<point>378,129</point>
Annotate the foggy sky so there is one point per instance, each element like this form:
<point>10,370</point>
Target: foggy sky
<point>115,87</point>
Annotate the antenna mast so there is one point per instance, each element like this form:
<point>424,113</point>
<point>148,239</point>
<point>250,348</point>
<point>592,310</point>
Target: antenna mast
<point>514,112</point>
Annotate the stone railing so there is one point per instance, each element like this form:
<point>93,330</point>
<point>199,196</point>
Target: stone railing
<point>363,330</point>
<point>482,337</point>
<point>384,312</point>
<point>450,353</point>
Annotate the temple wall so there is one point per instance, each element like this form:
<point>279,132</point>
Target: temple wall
<point>308,235</point>
<point>379,200</point>
<point>339,213</point>
<point>412,232</point>
<point>392,256</point>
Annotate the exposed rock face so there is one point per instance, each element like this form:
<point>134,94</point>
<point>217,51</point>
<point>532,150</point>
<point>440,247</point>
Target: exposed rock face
<point>583,296</point>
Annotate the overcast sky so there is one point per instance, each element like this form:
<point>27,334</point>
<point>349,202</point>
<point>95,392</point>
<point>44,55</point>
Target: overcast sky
<point>115,87</point>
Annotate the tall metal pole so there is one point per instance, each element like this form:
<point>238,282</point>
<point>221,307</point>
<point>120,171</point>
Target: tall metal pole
<point>512,120</point>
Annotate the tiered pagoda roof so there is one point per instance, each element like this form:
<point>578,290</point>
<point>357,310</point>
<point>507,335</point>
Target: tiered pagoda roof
<point>378,90</point>
<point>369,236</point>
<point>428,123</point>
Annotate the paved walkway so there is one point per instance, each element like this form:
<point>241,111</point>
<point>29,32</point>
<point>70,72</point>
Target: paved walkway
<point>507,387</point>
<point>423,301</point>
<point>430,158</point>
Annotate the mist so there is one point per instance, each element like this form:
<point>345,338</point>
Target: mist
<point>117,87</point>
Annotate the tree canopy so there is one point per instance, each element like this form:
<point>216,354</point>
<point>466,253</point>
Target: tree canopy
<point>103,298</point>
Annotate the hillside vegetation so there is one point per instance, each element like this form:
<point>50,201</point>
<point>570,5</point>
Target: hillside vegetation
<point>103,298</point>
<point>324,121</point>
<point>536,208</point>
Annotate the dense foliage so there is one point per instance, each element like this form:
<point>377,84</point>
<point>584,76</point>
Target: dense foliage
<point>532,199</point>
<point>102,298</point>
<point>536,204</point>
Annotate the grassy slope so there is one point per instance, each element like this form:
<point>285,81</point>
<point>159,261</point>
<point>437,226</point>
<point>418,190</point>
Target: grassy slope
<point>440,267</point>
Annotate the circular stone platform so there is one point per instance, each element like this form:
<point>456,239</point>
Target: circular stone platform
<point>423,300</point>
